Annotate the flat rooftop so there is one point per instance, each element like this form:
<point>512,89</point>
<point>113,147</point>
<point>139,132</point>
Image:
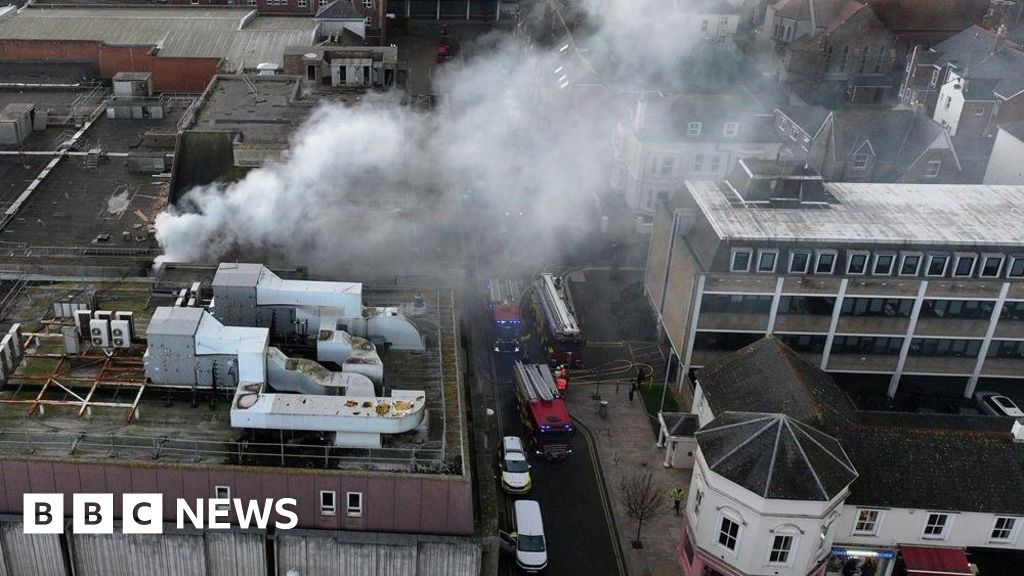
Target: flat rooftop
<point>878,213</point>
<point>267,115</point>
<point>74,204</point>
<point>186,427</point>
<point>241,39</point>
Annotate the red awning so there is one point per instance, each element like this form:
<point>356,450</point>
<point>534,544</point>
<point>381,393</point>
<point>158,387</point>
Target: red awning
<point>935,561</point>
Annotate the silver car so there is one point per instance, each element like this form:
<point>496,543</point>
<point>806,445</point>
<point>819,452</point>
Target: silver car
<point>996,404</point>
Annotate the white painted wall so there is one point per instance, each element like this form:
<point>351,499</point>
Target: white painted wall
<point>760,520</point>
<point>1004,165</point>
<point>948,114</point>
<point>903,526</point>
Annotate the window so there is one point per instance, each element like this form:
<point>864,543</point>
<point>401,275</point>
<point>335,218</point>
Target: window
<point>860,162</point>
<point>730,130</point>
<point>324,2</point>
<point>932,170</point>
<point>863,59</point>
<point>935,526</point>
<point>867,523</point>
<point>944,347</point>
<point>881,59</point>
<point>668,165</point>
<point>716,163</point>
<point>949,100</point>
<point>782,544</point>
<point>936,265</point>
<point>368,21</point>
<point>1003,531</point>
<point>910,264</point>
<point>252,2</point>
<point>302,3</point>
<point>697,499</point>
<point>979,110</point>
<point>354,504</point>
<point>327,503</point>
<point>893,307</point>
<point>704,25</point>
<point>799,262</point>
<point>1016,267</point>
<point>828,57</point>
<point>867,345</point>
<point>766,260</point>
<point>826,262</point>
<point>723,20</point>
<point>728,533</point>
<point>991,265</point>
<point>698,162</point>
<point>222,492</point>
<point>194,1</point>
<point>775,34</point>
<point>883,264</point>
<point>740,260</point>
<point>958,309</point>
<point>693,128</point>
<point>857,263</point>
<point>935,78</point>
<point>845,59</point>
<point>964,266</point>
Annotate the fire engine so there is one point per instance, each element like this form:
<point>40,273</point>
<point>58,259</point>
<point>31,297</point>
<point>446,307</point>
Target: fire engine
<point>543,411</point>
<point>506,323</point>
<point>560,334</point>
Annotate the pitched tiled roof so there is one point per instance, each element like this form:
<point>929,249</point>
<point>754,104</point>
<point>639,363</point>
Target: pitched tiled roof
<point>943,462</point>
<point>775,456</point>
<point>769,376</point>
<point>929,15</point>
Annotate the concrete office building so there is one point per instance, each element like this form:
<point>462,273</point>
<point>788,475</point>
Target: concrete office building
<point>908,287</point>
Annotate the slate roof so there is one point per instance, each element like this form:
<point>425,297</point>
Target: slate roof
<point>775,456</point>
<point>808,118</point>
<point>770,377</point>
<point>668,116</point>
<point>974,53</point>
<point>339,10</point>
<point>681,423</point>
<point>942,461</point>
<point>929,15</point>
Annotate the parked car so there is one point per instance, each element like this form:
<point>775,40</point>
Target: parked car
<point>512,464</point>
<point>996,404</point>
<point>527,542</point>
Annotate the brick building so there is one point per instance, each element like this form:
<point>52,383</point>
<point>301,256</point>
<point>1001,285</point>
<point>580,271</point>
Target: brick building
<point>182,48</point>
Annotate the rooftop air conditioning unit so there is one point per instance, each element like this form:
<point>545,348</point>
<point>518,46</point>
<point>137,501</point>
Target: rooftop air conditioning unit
<point>120,334</point>
<point>99,333</point>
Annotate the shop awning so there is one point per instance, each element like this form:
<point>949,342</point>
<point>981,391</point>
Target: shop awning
<point>935,561</point>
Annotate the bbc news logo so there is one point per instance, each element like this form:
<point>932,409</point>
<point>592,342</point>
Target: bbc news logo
<point>144,513</point>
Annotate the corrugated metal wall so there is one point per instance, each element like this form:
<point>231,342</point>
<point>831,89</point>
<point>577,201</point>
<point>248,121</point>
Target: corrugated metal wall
<point>355,554</point>
<point>30,554</point>
<point>132,554</point>
<point>235,553</point>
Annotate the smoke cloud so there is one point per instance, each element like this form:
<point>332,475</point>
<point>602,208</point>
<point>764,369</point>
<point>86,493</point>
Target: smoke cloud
<point>521,146</point>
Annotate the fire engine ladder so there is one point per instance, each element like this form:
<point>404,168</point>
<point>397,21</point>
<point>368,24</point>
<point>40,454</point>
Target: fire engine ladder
<point>503,290</point>
<point>555,307</point>
<point>535,381</point>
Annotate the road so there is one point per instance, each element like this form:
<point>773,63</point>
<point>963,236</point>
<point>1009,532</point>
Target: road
<point>576,513</point>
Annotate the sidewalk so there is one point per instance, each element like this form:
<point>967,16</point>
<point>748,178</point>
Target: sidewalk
<point>624,443</point>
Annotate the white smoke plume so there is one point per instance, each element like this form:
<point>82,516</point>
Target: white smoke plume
<point>523,139</point>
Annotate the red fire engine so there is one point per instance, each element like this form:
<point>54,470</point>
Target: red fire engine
<point>543,411</point>
<point>560,334</point>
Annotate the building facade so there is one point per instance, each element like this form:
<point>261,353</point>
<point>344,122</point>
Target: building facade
<point>669,139</point>
<point>871,524</point>
<point>879,280</point>
<point>1004,166</point>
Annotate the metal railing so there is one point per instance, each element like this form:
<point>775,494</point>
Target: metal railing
<point>129,447</point>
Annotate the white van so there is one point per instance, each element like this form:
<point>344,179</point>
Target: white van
<point>527,542</point>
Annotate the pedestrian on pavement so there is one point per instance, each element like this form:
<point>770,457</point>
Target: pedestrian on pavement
<point>639,376</point>
<point>677,498</point>
<point>632,390</point>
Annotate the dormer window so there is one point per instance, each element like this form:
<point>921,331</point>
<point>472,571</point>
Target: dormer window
<point>693,128</point>
<point>730,130</point>
<point>991,265</point>
<point>936,267</point>
<point>883,264</point>
<point>826,262</point>
<point>860,162</point>
<point>766,260</point>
